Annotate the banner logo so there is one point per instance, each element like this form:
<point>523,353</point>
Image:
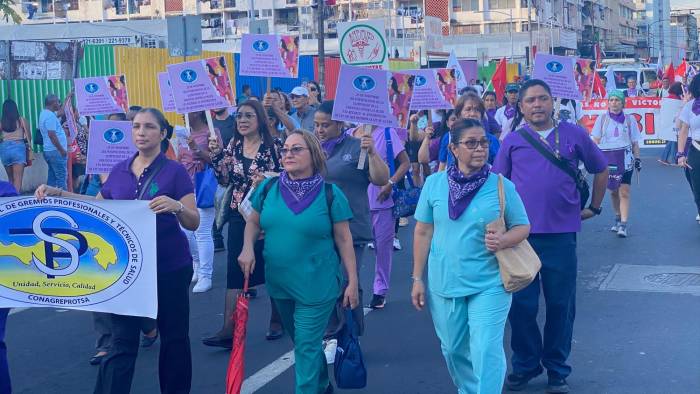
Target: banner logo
<point>113,136</point>
<point>188,75</point>
<point>91,88</point>
<point>364,83</point>
<point>420,80</point>
<point>554,67</point>
<point>261,46</point>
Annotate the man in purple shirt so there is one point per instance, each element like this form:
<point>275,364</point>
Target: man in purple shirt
<point>6,190</point>
<point>553,205</point>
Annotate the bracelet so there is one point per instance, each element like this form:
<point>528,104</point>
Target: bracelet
<point>680,154</point>
<point>180,210</point>
<point>415,279</point>
<point>391,182</point>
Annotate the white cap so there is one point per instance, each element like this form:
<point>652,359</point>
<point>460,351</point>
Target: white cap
<point>300,91</point>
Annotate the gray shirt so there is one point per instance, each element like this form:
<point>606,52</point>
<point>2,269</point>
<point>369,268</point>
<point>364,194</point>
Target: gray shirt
<point>305,121</point>
<point>342,171</point>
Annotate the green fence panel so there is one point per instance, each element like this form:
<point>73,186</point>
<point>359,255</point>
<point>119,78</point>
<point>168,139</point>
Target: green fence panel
<point>98,60</point>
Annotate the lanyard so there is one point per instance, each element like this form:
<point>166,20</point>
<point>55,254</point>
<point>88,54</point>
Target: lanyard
<point>556,141</point>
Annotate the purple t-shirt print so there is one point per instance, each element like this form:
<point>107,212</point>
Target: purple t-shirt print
<point>550,196</point>
<point>172,180</point>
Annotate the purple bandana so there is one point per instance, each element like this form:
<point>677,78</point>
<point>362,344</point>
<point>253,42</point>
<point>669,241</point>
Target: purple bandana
<point>329,145</point>
<point>696,106</point>
<point>509,111</point>
<point>464,188</point>
<point>619,118</point>
<point>631,92</point>
<point>491,112</point>
<point>299,194</point>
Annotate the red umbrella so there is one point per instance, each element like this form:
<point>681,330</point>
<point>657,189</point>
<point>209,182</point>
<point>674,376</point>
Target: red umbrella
<point>234,375</point>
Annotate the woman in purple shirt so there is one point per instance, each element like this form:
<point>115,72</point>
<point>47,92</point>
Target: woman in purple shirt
<point>149,175</point>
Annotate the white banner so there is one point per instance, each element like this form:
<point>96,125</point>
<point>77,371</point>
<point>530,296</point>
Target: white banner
<point>668,114</point>
<point>363,43</point>
<point>97,255</point>
<point>644,110</point>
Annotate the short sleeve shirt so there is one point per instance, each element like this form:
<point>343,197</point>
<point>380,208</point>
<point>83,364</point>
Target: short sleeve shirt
<point>309,274</point>
<point>381,147</point>
<point>172,180</point>
<point>549,194</point>
<point>613,135</point>
<point>459,264</point>
<point>692,120</point>
<point>48,121</point>
<point>341,170</point>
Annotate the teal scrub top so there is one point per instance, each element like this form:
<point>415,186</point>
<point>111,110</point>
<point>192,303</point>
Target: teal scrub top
<point>459,264</point>
<point>300,258</point>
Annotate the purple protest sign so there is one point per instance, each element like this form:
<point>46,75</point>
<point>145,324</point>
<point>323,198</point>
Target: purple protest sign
<point>269,55</point>
<point>109,143</point>
<point>101,95</point>
<point>558,73</point>
<point>431,93</point>
<point>166,93</point>
<point>365,98</point>
<point>470,68</point>
<point>200,85</point>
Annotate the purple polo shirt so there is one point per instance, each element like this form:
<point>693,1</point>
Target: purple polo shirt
<point>549,194</point>
<point>7,190</point>
<point>172,249</point>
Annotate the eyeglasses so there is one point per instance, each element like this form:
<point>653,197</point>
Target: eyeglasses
<point>294,96</point>
<point>247,115</point>
<point>295,151</point>
<point>312,89</point>
<point>472,144</point>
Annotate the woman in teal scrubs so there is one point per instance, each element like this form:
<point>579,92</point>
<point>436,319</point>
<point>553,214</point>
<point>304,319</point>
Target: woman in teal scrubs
<point>303,229</point>
<point>467,300</point>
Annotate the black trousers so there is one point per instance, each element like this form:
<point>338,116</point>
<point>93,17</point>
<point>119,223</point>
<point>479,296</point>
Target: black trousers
<point>175,360</point>
<point>693,175</point>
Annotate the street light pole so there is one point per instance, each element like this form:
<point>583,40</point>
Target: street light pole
<point>321,45</point>
<point>529,30</point>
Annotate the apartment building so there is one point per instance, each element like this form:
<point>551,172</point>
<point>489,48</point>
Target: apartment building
<point>684,34</point>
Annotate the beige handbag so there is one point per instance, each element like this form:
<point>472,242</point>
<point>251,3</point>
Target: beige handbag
<point>518,265</point>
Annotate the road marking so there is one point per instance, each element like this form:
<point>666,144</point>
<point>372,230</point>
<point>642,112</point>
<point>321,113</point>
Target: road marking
<point>264,376</point>
<point>17,310</point>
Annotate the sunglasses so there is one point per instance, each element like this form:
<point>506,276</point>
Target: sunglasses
<point>294,96</point>
<point>247,115</point>
<point>295,151</point>
<point>472,144</point>
<point>311,89</point>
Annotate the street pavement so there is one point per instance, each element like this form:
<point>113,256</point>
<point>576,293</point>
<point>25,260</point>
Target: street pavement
<point>641,342</point>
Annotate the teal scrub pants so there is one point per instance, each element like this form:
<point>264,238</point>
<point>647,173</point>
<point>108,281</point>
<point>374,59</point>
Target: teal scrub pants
<point>470,330</point>
<point>306,325</point>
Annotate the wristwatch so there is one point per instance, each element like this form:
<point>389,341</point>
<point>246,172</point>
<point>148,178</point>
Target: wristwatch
<point>392,183</point>
<point>679,155</point>
<point>597,211</point>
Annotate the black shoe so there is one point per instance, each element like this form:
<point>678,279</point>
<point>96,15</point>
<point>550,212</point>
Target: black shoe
<point>96,360</point>
<point>252,293</point>
<point>219,246</point>
<point>147,341</point>
<point>378,302</point>
<point>273,334</point>
<point>217,341</point>
<point>518,381</point>
<point>557,385</point>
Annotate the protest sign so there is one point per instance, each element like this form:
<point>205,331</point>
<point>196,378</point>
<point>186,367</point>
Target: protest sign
<point>668,115</point>
<point>583,74</point>
<point>558,73</point>
<point>96,255</point>
<point>101,95</point>
<point>109,143</point>
<point>200,85</point>
<point>166,93</point>
<point>400,95</point>
<point>453,63</point>
<point>269,55</point>
<point>365,98</point>
<point>644,110</point>
<point>433,89</point>
<point>363,43</point>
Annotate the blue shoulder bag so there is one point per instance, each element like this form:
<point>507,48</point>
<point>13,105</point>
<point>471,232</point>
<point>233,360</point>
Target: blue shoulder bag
<point>349,368</point>
<point>205,184</point>
<point>406,198</point>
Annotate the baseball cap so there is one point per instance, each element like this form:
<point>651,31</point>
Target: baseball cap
<point>512,87</point>
<point>300,91</point>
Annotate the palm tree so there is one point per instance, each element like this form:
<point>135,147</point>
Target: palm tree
<point>7,12</point>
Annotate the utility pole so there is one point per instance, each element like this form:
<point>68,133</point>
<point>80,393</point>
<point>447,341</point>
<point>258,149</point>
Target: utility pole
<point>321,6</point>
<point>529,30</point>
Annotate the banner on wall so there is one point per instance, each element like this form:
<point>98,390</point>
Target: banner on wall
<point>644,110</point>
<point>167,99</point>
<point>365,98</point>
<point>434,89</point>
<point>269,55</point>
<point>200,85</point>
<point>93,255</point>
<point>109,143</point>
<point>558,72</point>
<point>363,43</point>
<point>101,95</point>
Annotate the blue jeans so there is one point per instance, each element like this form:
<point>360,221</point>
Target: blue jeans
<point>5,387</point>
<point>58,170</point>
<point>558,281</point>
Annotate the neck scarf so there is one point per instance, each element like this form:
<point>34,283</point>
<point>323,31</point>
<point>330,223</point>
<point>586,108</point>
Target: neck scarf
<point>491,112</point>
<point>696,106</point>
<point>463,188</point>
<point>300,193</point>
<point>631,92</point>
<point>329,145</point>
<point>509,111</point>
<point>619,118</point>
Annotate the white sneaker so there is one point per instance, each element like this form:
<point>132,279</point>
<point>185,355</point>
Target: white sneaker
<point>397,244</point>
<point>698,218</point>
<point>403,222</point>
<point>329,348</point>
<point>195,277</point>
<point>370,245</point>
<point>203,285</point>
<point>195,268</point>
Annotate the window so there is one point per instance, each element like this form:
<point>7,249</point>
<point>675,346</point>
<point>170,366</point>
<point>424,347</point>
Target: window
<point>499,27</point>
<point>307,36</point>
<point>466,29</point>
<point>267,13</point>
<point>500,4</point>
<point>305,10</point>
<point>465,5</point>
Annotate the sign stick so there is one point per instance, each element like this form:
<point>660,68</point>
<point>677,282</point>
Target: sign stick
<point>269,85</point>
<point>366,130</point>
<point>210,124</point>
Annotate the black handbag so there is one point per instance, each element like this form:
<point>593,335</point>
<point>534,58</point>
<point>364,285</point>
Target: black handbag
<point>582,186</point>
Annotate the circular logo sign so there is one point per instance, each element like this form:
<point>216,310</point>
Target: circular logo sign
<point>364,83</point>
<point>113,136</point>
<point>60,254</point>
<point>91,88</point>
<point>420,80</point>
<point>261,46</point>
<point>554,67</point>
<point>188,75</point>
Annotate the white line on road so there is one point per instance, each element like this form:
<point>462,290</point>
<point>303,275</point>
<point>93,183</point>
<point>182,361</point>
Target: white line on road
<point>264,376</point>
<point>17,310</point>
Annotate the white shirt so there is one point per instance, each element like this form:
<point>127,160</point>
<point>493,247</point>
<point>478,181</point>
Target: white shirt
<point>545,133</point>
<point>613,135</point>
<point>693,121</point>
<point>568,112</point>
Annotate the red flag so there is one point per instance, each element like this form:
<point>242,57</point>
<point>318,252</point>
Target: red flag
<point>598,87</point>
<point>234,374</point>
<point>670,74</point>
<point>598,56</point>
<point>499,80</point>
<point>681,71</point>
